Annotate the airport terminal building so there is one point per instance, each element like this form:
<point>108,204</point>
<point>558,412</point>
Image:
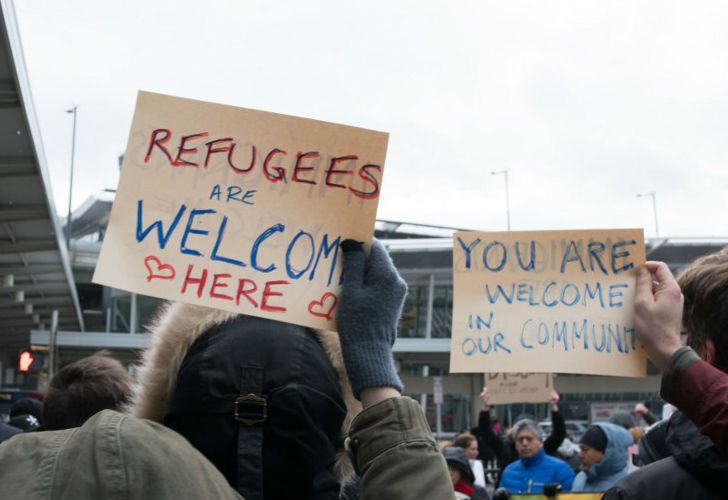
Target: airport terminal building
<point>115,320</point>
<point>47,298</point>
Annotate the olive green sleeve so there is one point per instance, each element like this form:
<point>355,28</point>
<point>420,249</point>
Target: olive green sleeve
<point>395,454</point>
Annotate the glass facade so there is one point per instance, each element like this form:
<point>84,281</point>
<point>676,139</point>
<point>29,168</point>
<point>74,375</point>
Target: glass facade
<point>442,311</point>
<point>414,312</point>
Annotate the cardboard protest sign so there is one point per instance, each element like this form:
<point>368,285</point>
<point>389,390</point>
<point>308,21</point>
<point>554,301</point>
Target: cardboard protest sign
<point>239,209</point>
<point>546,301</point>
<point>505,388</point>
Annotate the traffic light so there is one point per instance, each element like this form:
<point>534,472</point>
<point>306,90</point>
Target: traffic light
<point>29,363</point>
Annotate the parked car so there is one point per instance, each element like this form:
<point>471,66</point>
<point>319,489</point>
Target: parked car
<point>574,428</point>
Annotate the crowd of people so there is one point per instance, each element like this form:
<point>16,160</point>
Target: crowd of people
<point>231,406</point>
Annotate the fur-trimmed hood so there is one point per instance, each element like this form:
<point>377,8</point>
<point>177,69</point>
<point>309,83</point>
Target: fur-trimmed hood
<point>175,329</point>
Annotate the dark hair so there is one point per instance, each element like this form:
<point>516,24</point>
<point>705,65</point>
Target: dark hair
<point>83,388</point>
<point>704,284</point>
<point>463,440</point>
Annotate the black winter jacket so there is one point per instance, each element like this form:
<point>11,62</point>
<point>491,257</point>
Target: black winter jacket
<point>696,470</point>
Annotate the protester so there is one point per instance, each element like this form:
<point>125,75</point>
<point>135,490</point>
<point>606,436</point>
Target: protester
<point>26,414</point>
<point>7,431</point>
<point>696,467</point>
<point>278,397</point>
<point>462,476</point>
<point>687,378</point>
<point>83,388</point>
<point>534,469</point>
<point>504,448</point>
<point>604,457</point>
<point>469,443</point>
<point>110,456</point>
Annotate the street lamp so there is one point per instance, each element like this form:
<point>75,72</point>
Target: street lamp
<point>654,208</point>
<point>69,222</point>
<point>508,201</point>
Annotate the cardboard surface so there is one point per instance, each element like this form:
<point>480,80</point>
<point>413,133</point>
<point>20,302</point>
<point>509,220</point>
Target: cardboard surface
<point>505,388</point>
<point>546,301</point>
<point>239,209</point>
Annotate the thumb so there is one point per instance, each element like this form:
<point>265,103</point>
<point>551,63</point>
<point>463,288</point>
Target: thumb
<point>354,264</point>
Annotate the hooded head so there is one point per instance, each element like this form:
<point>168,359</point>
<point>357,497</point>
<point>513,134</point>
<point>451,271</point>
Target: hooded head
<point>458,460</point>
<point>615,441</point>
<point>261,399</point>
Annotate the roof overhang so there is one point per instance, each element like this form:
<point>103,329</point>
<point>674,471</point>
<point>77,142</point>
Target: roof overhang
<point>35,272</point>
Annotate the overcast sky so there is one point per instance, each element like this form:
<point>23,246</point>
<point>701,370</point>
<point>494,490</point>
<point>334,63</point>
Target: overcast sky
<point>586,103</point>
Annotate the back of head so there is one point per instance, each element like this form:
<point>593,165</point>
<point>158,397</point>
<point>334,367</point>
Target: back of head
<point>292,442</point>
<point>622,418</point>
<point>704,285</point>
<point>83,388</point>
<point>26,406</point>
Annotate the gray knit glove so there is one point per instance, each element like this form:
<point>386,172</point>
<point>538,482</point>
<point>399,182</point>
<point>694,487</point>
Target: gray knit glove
<point>371,304</point>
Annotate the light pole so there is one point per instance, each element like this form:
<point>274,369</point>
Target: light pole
<point>69,222</point>
<point>508,200</point>
<point>654,208</point>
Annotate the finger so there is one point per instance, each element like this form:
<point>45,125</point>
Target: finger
<point>354,263</point>
<point>662,273</point>
<point>643,292</point>
<point>380,268</point>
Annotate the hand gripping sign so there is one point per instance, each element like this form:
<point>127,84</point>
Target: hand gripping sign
<point>239,209</point>
<point>546,301</point>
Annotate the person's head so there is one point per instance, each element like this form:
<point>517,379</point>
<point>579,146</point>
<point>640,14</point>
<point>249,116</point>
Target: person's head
<point>592,447</point>
<point>273,409</point>
<point>469,443</point>
<point>704,285</point>
<point>27,406</point>
<point>83,388</point>
<point>26,414</point>
<point>458,465</point>
<point>528,439</point>
<point>622,418</point>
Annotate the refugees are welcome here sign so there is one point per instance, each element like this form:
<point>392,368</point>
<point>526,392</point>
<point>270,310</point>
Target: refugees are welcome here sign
<point>546,301</point>
<point>239,209</point>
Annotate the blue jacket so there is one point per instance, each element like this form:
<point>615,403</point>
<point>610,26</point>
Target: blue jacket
<point>613,467</point>
<point>529,475</point>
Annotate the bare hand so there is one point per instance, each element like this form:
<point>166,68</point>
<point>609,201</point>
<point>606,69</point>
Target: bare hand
<point>658,307</point>
<point>484,399</point>
<point>554,401</point>
<point>641,409</point>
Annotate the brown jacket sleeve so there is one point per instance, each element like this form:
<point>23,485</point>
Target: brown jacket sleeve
<point>395,454</point>
<point>700,391</point>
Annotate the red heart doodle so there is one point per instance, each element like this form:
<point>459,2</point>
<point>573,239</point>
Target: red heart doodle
<point>161,271</point>
<point>318,308</point>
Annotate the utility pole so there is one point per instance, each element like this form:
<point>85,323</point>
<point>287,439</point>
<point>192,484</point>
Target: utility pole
<point>69,221</point>
<point>651,194</point>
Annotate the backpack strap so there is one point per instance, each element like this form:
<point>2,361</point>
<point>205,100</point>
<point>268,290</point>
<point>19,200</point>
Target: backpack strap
<point>250,409</point>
